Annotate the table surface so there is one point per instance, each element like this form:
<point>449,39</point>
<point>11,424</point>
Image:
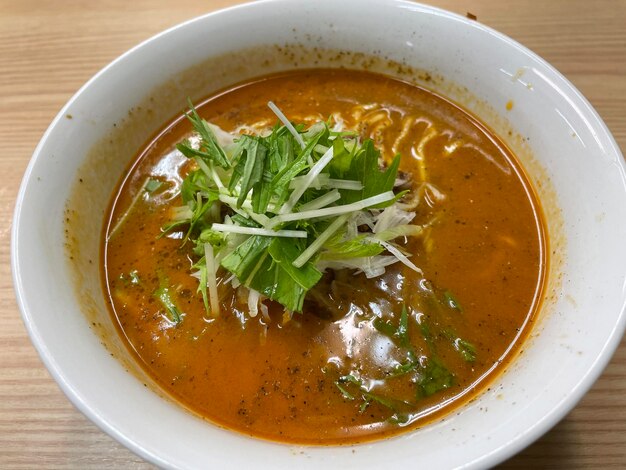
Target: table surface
<point>49,49</point>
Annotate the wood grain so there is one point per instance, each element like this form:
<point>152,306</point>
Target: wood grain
<point>49,49</point>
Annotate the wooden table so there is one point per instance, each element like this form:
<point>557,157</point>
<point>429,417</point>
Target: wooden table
<point>49,49</point>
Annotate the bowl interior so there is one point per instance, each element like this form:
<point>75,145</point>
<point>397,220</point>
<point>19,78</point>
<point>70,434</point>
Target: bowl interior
<point>567,151</point>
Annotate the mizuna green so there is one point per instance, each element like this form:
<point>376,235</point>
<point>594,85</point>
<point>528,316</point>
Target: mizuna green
<point>277,210</point>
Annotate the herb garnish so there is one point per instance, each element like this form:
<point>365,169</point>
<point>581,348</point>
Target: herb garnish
<point>425,370</point>
<point>466,349</point>
<point>277,210</point>
<point>451,301</point>
<point>164,296</point>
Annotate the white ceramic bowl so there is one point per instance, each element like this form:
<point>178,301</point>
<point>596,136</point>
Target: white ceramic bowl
<point>569,154</point>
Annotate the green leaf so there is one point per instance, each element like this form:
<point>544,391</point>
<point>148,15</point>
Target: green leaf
<point>245,258</point>
<point>200,209</point>
<point>385,327</point>
<point>404,368</point>
<point>426,333</point>
<point>366,395</point>
<point>242,221</point>
<point>390,202</point>
<point>340,164</point>
<point>451,301</point>
<point>209,150</point>
<point>284,251</point>
<point>364,167</point>
<point>164,296</point>
<point>399,334</point>
<point>281,149</point>
<point>403,328</point>
<point>265,264</point>
<point>390,403</point>
<point>351,379</point>
<point>261,193</point>
<point>364,405</point>
<point>280,182</point>
<point>152,185</point>
<point>250,166</point>
<point>344,392</point>
<point>434,378</point>
<point>188,151</point>
<point>195,182</point>
<point>279,280</point>
<point>374,180</point>
<point>201,266</point>
<point>216,239</point>
<point>254,152</point>
<point>466,349</point>
<point>358,247</point>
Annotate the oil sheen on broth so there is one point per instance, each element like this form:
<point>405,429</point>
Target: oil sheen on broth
<point>482,255</point>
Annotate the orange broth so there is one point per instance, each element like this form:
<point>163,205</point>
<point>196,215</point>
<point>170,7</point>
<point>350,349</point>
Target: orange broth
<point>483,256</point>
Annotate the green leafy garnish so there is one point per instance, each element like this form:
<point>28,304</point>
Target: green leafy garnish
<point>466,349</point>
<point>367,396</point>
<point>347,395</point>
<point>357,247</point>
<point>435,377</point>
<point>279,209</point>
<point>425,371</point>
<point>399,334</point>
<point>164,296</point>
<point>265,264</point>
<point>210,151</point>
<point>451,301</point>
<point>248,174</point>
<point>152,185</point>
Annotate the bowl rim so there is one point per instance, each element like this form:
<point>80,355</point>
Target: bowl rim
<point>531,434</point>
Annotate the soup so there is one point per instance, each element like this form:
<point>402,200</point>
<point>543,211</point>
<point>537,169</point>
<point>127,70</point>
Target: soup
<point>383,341</point>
